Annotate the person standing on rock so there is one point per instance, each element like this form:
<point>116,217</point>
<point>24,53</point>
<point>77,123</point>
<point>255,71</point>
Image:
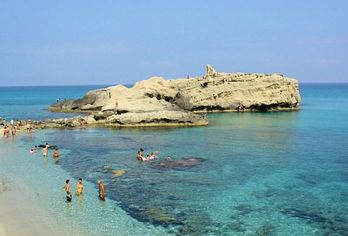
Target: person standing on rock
<point>116,104</point>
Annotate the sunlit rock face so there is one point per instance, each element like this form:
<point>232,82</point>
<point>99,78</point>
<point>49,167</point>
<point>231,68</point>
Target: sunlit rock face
<point>159,101</point>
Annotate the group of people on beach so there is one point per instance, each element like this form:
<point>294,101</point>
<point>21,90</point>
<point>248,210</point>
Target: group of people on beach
<point>12,128</point>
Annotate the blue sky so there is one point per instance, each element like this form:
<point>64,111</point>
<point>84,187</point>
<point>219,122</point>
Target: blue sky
<point>110,42</point>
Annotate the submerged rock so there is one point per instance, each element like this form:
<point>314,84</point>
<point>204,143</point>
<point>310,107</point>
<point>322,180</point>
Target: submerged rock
<point>119,173</point>
<point>182,164</point>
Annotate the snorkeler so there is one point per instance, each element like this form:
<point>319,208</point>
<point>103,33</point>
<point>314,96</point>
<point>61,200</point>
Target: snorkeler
<point>79,187</point>
<point>33,150</point>
<point>101,190</point>
<point>67,190</point>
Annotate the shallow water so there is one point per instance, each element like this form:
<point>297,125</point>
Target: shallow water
<point>261,174</point>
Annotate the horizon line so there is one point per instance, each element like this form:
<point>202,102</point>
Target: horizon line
<point>76,85</point>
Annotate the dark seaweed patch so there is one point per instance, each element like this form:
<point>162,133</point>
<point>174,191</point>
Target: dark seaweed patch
<point>335,225</point>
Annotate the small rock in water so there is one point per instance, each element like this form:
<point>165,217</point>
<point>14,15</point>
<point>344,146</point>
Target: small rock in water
<point>119,173</point>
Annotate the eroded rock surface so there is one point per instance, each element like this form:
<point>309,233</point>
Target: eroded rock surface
<point>159,101</point>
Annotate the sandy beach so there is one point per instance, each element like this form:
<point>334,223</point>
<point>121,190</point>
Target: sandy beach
<point>21,214</point>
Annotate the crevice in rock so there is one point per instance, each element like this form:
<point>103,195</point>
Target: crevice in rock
<point>208,108</point>
<point>161,97</point>
<point>264,107</point>
<point>121,112</point>
<point>163,120</point>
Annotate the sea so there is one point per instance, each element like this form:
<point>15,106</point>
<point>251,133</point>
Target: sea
<point>259,173</point>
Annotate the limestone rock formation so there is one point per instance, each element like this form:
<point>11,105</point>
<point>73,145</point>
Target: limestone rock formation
<point>159,101</point>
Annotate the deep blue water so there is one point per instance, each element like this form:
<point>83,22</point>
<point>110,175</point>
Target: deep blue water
<point>32,102</point>
<point>261,173</point>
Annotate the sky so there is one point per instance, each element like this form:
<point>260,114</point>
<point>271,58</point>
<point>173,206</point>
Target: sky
<point>64,42</point>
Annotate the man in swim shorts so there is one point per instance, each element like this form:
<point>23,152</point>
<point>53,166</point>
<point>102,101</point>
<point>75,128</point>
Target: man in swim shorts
<point>67,190</point>
<point>79,187</point>
<point>101,190</point>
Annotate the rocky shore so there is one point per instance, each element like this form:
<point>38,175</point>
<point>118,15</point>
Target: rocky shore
<point>178,102</point>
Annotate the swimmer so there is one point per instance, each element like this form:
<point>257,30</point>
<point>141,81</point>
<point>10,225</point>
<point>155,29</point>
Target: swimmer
<point>101,190</point>
<point>55,153</point>
<point>67,190</point>
<point>79,187</point>
<point>152,156</point>
<point>32,151</point>
<point>45,150</point>
<point>149,157</point>
<point>140,154</point>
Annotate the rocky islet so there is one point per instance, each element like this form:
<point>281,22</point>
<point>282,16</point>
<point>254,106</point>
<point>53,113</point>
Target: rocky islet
<point>178,102</point>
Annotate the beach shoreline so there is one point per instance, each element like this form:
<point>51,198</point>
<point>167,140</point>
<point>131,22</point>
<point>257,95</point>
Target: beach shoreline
<point>33,201</point>
<point>22,215</point>
<point>22,205</point>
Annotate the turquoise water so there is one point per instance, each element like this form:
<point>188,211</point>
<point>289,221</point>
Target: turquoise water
<point>261,174</point>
